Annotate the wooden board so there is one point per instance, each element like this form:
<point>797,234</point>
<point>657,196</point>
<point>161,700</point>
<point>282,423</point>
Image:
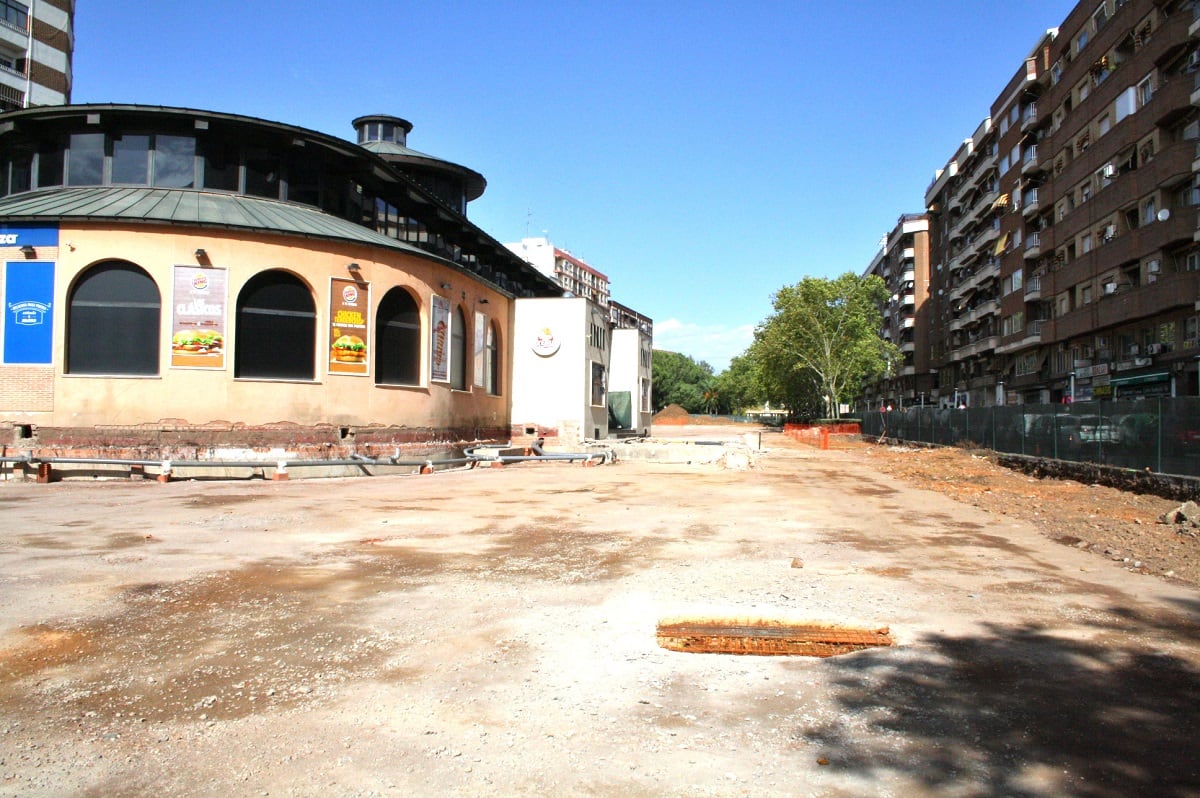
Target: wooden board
<point>766,637</point>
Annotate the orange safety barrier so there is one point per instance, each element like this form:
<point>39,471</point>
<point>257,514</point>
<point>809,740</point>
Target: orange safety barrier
<point>818,434</point>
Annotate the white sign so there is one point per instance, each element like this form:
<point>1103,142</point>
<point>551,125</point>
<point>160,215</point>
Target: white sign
<point>545,342</point>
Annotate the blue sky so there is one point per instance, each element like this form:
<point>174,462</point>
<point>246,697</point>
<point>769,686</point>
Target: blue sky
<point>701,154</point>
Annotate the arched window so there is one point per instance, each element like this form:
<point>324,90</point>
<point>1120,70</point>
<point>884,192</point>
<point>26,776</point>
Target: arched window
<point>113,321</point>
<point>492,360</point>
<point>276,328</point>
<point>458,351</point>
<point>398,339</point>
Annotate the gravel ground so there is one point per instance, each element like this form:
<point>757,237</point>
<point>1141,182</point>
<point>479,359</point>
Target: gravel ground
<point>491,632</point>
<point>1118,525</point>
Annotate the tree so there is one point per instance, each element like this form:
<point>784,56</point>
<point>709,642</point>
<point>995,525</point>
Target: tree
<point>738,387</point>
<point>680,380</point>
<point>822,340</point>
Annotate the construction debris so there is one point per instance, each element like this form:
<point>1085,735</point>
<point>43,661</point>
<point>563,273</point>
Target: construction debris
<point>766,637</point>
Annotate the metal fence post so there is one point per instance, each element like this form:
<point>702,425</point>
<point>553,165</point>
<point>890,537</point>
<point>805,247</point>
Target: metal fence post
<point>1158,437</point>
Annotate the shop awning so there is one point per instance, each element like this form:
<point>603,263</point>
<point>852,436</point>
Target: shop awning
<point>1141,379</point>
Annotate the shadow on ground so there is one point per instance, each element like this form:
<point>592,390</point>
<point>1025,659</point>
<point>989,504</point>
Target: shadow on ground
<point>1019,711</point>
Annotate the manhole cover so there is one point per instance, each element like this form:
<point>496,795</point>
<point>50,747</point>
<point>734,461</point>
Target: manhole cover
<point>766,637</point>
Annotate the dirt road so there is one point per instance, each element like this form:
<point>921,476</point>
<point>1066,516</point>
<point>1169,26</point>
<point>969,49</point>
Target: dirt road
<point>492,632</point>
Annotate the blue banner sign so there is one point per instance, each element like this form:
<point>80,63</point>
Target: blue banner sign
<point>28,316</point>
<point>32,235</point>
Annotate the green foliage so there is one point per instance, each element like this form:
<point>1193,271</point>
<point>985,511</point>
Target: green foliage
<point>810,355</point>
<point>738,388</point>
<point>821,341</point>
<point>681,381</point>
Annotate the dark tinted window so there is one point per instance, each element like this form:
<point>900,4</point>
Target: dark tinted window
<point>262,173</point>
<point>398,339</point>
<point>17,172</point>
<point>220,165</point>
<point>276,328</point>
<point>113,321</point>
<point>174,161</point>
<point>14,13</point>
<point>86,160</point>
<point>50,165</point>
<point>304,179</point>
<point>130,160</point>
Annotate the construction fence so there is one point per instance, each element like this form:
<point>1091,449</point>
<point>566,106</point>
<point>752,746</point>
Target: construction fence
<point>822,435</point>
<point>1154,434</point>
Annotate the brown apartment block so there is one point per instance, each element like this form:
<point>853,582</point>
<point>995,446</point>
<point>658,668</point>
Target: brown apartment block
<point>1063,232</point>
<point>37,41</point>
<point>903,264</point>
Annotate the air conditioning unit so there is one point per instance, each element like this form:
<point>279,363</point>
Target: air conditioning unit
<point>1153,349</point>
<point>1108,170</point>
<point>1134,349</point>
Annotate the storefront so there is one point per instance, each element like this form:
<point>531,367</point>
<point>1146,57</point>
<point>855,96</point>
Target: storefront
<point>220,277</point>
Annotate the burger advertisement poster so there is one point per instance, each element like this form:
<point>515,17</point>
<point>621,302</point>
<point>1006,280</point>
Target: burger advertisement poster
<point>439,341</point>
<point>348,303</point>
<point>198,318</point>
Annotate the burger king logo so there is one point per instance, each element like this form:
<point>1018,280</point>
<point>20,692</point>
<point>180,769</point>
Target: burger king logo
<point>545,343</point>
<point>349,294</point>
<point>200,282</point>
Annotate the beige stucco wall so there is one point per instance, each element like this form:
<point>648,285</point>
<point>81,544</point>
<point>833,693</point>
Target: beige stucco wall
<point>199,397</point>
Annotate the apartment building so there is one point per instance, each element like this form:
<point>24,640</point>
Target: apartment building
<point>1063,232</point>
<point>575,276</point>
<point>903,264</point>
<point>584,361</point>
<point>36,46</point>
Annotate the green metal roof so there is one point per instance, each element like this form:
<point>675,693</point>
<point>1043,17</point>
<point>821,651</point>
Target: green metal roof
<point>190,207</point>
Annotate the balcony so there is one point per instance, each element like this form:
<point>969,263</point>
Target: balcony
<point>986,237</point>
<point>1033,245</point>
<point>959,197</point>
<point>1131,303</point>
<point>16,38</point>
<point>1030,336</point>
<point>1033,288</point>
<point>984,273</point>
<point>1179,228</point>
<point>1029,117</point>
<point>1029,203</point>
<point>1029,162</point>
<point>982,344</point>
<point>908,276</point>
<point>989,307</point>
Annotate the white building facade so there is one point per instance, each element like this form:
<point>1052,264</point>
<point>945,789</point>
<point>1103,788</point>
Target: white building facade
<point>561,364</point>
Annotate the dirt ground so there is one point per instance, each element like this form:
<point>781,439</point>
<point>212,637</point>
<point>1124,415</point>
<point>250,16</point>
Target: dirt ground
<point>492,632</point>
<point>1124,527</point>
